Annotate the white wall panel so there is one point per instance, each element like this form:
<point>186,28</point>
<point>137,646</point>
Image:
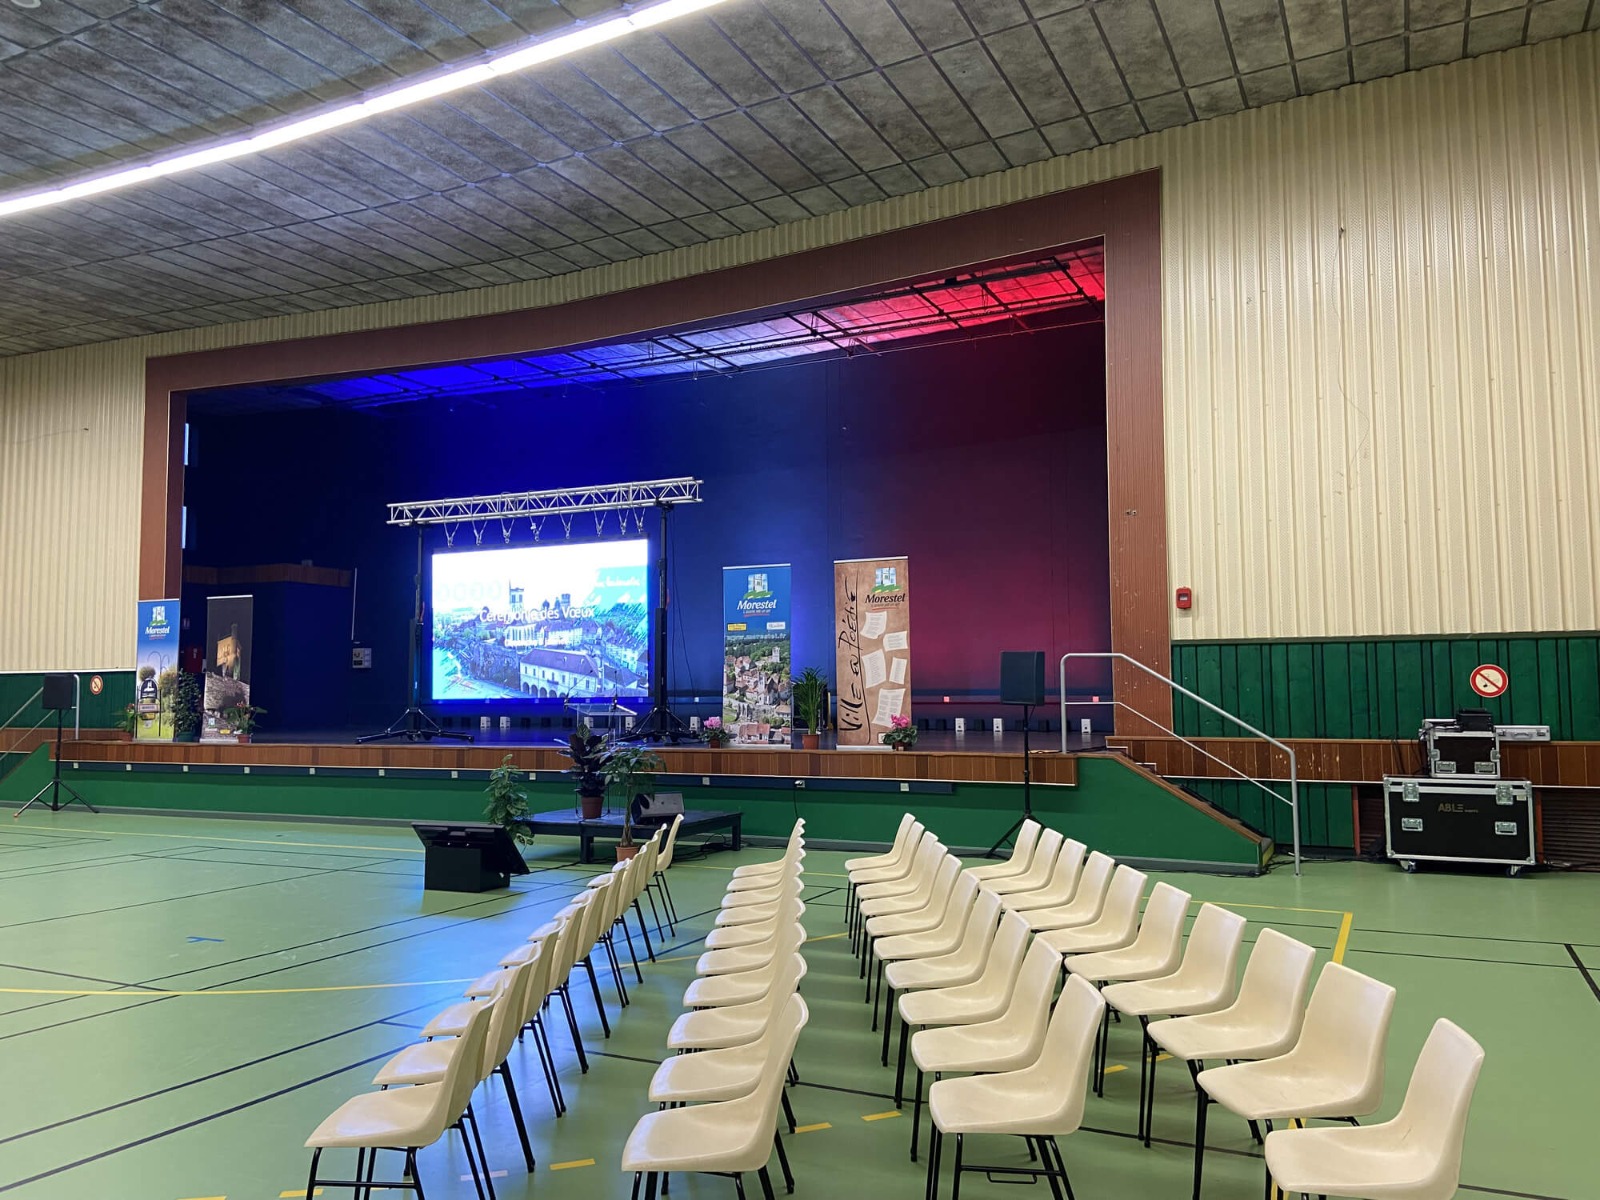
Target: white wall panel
<point>1382,314</point>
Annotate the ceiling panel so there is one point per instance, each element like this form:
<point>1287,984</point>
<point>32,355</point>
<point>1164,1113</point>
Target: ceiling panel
<point>758,112</point>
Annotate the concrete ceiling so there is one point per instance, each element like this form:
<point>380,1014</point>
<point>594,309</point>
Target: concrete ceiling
<point>757,113</point>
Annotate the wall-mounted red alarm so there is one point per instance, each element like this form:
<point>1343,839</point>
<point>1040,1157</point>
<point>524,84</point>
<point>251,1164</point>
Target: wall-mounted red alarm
<point>1185,598</point>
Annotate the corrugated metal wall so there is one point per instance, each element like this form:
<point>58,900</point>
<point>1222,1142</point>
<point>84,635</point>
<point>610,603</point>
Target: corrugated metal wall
<point>1382,390</point>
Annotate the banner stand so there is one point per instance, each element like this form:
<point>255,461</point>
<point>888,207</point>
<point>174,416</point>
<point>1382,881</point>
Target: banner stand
<point>756,661</point>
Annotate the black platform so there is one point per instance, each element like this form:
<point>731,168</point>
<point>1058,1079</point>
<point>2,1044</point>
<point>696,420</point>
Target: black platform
<point>566,822</point>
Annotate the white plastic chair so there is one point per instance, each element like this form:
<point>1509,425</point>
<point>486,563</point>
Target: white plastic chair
<point>715,1028</point>
<point>730,1137</point>
<point>1114,928</point>
<point>1039,868</point>
<point>1022,847</point>
<point>1336,1066</point>
<point>1007,1043</point>
<point>984,999</point>
<point>918,963</point>
<point>1415,1156</point>
<point>657,878</point>
<point>1154,951</point>
<point>930,915</point>
<point>752,914</point>
<point>871,861</point>
<point>406,1119</point>
<point>1039,1102</point>
<point>1061,885</point>
<point>1262,1023</point>
<point>721,991</point>
<point>752,956</point>
<point>894,866</point>
<point>1206,981</point>
<point>1087,900</point>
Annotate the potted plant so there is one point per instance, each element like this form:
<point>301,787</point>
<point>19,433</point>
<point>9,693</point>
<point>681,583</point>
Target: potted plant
<point>508,800</point>
<point>631,770</point>
<point>241,718</point>
<point>589,752</point>
<point>714,733</point>
<point>902,733</point>
<point>127,723</point>
<point>186,708</point>
<point>808,697</point>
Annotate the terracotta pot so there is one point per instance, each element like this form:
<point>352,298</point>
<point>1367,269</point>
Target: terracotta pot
<point>810,741</point>
<point>900,746</point>
<point>624,853</point>
<point>244,739</point>
<point>592,806</point>
<point>123,735</point>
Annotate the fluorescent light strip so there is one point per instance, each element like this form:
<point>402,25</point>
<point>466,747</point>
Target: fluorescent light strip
<point>501,63</point>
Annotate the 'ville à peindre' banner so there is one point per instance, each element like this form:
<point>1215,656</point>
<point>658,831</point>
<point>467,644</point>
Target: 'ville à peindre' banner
<point>755,659</point>
<point>872,636</point>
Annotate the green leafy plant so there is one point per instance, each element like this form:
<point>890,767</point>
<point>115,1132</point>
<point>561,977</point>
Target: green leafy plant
<point>186,706</point>
<point>809,695</point>
<point>508,800</point>
<point>128,719</point>
<point>631,770</point>
<point>589,752</point>
<point>241,718</point>
<point>901,733</point>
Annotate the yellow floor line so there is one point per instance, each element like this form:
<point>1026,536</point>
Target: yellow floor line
<point>1332,912</point>
<point>1115,1067</point>
<point>299,1195</point>
<point>577,1162</point>
<point>827,937</point>
<point>208,837</point>
<point>151,993</point>
<point>1343,940</point>
<point>883,1116</point>
<point>798,1129</point>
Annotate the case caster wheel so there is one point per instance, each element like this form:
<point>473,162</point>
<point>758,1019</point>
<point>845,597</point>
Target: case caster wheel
<point>1409,867</point>
<point>1513,872</point>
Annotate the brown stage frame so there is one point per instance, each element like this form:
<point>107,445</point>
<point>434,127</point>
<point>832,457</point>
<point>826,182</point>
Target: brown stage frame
<point>1124,213</point>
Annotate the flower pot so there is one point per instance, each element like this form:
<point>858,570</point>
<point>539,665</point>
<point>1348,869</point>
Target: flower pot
<point>591,806</point>
<point>244,739</point>
<point>901,746</point>
<point>624,853</point>
<point>123,735</point>
<point>191,736</point>
<point>810,741</point>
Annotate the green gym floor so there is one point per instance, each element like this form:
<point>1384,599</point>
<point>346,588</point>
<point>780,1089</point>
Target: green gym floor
<point>182,1000</point>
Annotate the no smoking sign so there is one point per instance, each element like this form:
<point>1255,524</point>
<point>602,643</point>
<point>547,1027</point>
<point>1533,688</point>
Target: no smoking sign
<point>1489,680</point>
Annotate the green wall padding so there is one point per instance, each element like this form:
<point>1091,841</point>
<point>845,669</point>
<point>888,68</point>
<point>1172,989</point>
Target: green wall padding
<point>1383,688</point>
<point>99,712</point>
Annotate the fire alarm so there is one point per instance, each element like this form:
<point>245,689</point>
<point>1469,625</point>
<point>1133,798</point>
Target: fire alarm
<point>1185,598</point>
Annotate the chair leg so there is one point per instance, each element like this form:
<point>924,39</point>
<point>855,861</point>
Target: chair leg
<point>594,986</point>
<point>311,1183</point>
<point>1061,1164</point>
<point>766,1184</point>
<point>916,1114</point>
<point>1049,1167</point>
<point>900,1070</point>
<point>628,933</point>
<point>572,1024</point>
<point>638,1178</point>
<point>411,1173</point>
<point>878,997</point>
<point>788,1111</point>
<point>1199,1136</point>
<point>738,1184</point>
<point>361,1172</point>
<point>783,1161</point>
<point>638,912</point>
<point>516,1113</point>
<point>650,1186</point>
<point>547,1063</point>
<point>472,1163</point>
<point>955,1179</point>
<point>616,970</point>
<point>888,1020</point>
<point>655,913</point>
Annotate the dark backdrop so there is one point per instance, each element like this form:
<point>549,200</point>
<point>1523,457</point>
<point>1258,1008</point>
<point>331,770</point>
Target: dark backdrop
<point>984,462</point>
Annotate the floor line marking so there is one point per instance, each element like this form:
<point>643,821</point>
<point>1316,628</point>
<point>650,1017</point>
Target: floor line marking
<point>1343,939</point>
<point>826,937</point>
<point>297,1195</point>
<point>567,1166</point>
<point>150,994</point>
<point>883,1116</point>
<point>1332,912</point>
<point>211,837</point>
<point>465,1178</point>
<point>809,1128</point>
<point>1583,970</point>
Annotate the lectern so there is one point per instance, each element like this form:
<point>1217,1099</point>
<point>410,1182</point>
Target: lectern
<point>467,856</point>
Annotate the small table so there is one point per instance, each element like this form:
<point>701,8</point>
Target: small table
<point>566,822</point>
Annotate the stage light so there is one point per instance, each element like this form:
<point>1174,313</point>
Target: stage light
<point>502,62</point>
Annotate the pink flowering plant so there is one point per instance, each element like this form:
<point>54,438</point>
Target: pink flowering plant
<point>901,733</point>
<point>714,733</point>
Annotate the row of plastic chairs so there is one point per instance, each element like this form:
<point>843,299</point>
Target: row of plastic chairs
<point>979,994</point>
<point>719,1094</point>
<point>427,1089</point>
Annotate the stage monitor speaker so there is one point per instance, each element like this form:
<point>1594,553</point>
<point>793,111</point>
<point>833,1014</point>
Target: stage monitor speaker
<point>57,692</point>
<point>1022,677</point>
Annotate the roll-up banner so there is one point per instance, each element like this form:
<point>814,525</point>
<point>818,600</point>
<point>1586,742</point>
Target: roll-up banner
<point>228,653</point>
<point>156,657</point>
<point>755,655</point>
<point>872,634</point>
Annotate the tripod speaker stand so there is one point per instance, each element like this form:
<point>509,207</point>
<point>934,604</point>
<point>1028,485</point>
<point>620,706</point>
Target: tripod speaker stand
<point>57,695</point>
<point>415,725</point>
<point>1021,682</point>
<point>660,723</point>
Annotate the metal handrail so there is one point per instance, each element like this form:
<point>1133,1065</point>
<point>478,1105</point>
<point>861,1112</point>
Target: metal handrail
<point>1294,774</point>
<point>16,746</point>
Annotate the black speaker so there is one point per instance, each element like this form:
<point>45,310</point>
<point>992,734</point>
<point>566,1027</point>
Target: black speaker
<point>57,692</point>
<point>1022,677</point>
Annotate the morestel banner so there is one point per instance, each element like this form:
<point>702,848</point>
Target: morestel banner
<point>872,633</point>
<point>755,655</point>
<point>228,652</point>
<point>156,658</point>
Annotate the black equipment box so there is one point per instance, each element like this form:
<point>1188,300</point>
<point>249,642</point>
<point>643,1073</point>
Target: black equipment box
<point>1461,821</point>
<point>1452,750</point>
<point>467,856</point>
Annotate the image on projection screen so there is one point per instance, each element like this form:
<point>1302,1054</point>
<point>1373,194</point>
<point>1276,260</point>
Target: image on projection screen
<point>542,622</point>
